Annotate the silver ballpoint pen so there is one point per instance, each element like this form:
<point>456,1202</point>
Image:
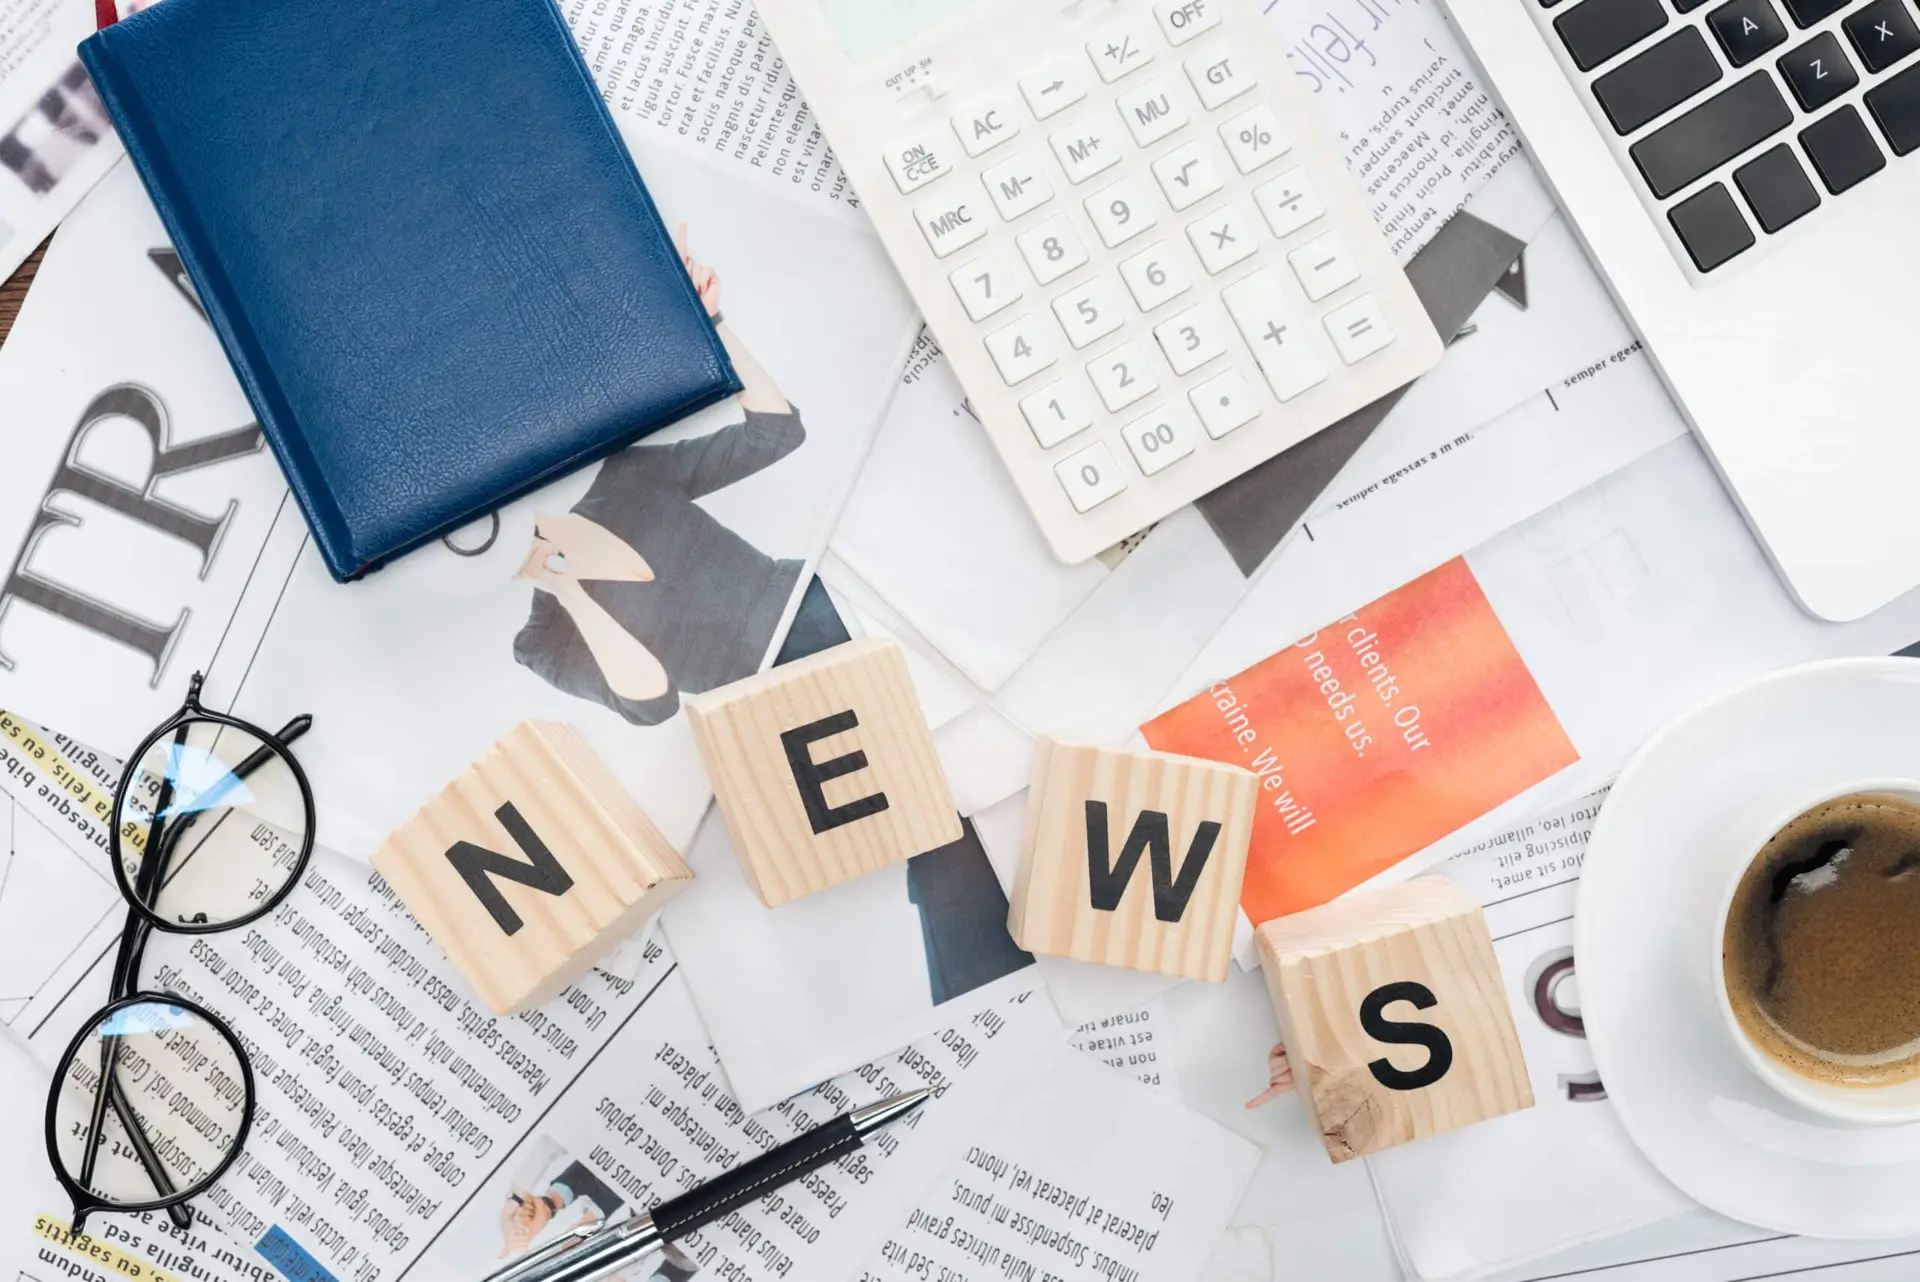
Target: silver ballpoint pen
<point>593,1251</point>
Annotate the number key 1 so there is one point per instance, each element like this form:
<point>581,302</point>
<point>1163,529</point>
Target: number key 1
<point>1058,411</point>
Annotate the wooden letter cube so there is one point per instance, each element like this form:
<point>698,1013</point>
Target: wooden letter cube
<point>1394,1015</point>
<point>1094,817</point>
<point>531,866</point>
<point>824,769</point>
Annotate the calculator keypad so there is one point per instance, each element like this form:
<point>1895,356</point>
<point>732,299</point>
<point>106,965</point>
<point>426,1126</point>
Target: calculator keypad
<point>1090,312</point>
<point>1052,249</point>
<point>1090,477</point>
<point>1122,211</point>
<point>1123,377</point>
<point>1158,441</point>
<point>1023,348</point>
<point>987,286</point>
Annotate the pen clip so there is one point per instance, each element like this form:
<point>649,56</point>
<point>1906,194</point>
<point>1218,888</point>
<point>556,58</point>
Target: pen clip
<point>530,1266</point>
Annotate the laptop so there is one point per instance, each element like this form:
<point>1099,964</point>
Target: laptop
<point>1739,170</point>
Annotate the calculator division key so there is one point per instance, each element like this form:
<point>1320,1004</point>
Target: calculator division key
<point>1159,440</point>
<point>1124,49</point>
<point>1287,203</point>
<point>1059,411</point>
<point>1279,340</point>
<point>1091,311</point>
<point>1817,71</point>
<point>1052,249</point>
<point>951,223</point>
<point>1711,133</point>
<point>987,123</point>
<point>916,162</point>
<point>1123,377</point>
<point>1122,211</point>
<point>1896,106</point>
<point>1219,78</point>
<point>1359,329</point>
<point>1153,113</point>
<point>1882,33</point>
<point>1253,138</point>
<point>1193,337</point>
<point>1053,88</point>
<point>1223,237</point>
<point>987,286</point>
<point>1655,81</point>
<point>1090,477</point>
<point>1155,276</point>
<point>1224,402</point>
<point>1087,147</point>
<point>1187,175</point>
<point>1746,29</point>
<point>1023,348</point>
<point>1182,20</point>
<point>1018,186</point>
<point>1324,266</point>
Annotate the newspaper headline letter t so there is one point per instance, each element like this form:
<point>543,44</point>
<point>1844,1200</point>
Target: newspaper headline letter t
<point>824,769</point>
<point>531,866</point>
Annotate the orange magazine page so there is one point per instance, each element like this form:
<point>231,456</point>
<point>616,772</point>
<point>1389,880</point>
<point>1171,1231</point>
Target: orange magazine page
<point>1373,738</point>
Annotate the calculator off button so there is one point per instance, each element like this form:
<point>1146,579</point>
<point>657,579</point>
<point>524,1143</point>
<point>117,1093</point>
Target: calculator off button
<point>951,225</point>
<point>1182,20</point>
<point>1090,477</point>
<point>916,163</point>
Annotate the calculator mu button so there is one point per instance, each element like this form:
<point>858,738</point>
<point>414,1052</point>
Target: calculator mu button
<point>1052,89</point>
<point>1287,203</point>
<point>1324,266</point>
<point>1152,113</point>
<point>1122,211</point>
<point>987,123</point>
<point>1052,249</point>
<point>1359,329</point>
<point>1090,477</point>
<point>1253,138</point>
<point>1059,411</point>
<point>1123,376</point>
<point>1158,440</point>
<point>950,225</point>
<point>916,162</point>
<point>1182,20</point>
<point>1090,311</point>
<point>1224,402</point>
<point>1023,348</point>
<point>987,286</point>
<point>1155,276</point>
<point>1123,50</point>
<point>1223,238</point>
<point>1218,80</point>
<point>1089,147</point>
<point>1263,313</point>
<point>1187,176</point>
<point>1018,186</point>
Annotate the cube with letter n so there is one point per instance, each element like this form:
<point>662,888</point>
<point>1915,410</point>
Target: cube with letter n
<point>531,866</point>
<point>824,769</point>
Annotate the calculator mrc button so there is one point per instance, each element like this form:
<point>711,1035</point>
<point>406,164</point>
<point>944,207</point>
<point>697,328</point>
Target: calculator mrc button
<point>1155,276</point>
<point>1019,186</point>
<point>1182,20</point>
<point>952,224</point>
<point>1187,176</point>
<point>1052,89</point>
<point>1158,440</point>
<point>1123,377</point>
<point>1287,203</point>
<point>1219,79</point>
<point>1224,402</point>
<point>1052,249</point>
<point>1359,329</point>
<point>1123,50</point>
<point>1090,146</point>
<point>916,163</point>
<point>1023,348</point>
<point>986,286</point>
<point>1262,312</point>
<point>1058,411</point>
<point>1090,477</point>
<point>987,123</point>
<point>1324,266</point>
<point>1152,113</point>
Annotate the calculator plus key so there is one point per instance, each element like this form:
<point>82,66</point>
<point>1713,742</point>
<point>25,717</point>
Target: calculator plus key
<point>1817,71</point>
<point>1187,175</point>
<point>1746,29</point>
<point>1122,211</point>
<point>1253,138</point>
<point>1053,89</point>
<point>1158,440</point>
<point>1883,33</point>
<point>1052,249</point>
<point>1153,113</point>
<point>1223,238</point>
<point>1123,377</point>
<point>1090,477</point>
<point>1288,203</point>
<point>952,223</point>
<point>1019,186</point>
<point>986,286</point>
<point>1155,276</point>
<point>1087,147</point>
<point>1265,317</point>
<point>1182,20</point>
<point>1123,50</point>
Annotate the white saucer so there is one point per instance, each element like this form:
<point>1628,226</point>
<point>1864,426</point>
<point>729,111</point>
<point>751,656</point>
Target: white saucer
<point>1656,861</point>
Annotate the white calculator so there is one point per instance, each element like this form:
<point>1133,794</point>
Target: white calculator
<point>1126,227</point>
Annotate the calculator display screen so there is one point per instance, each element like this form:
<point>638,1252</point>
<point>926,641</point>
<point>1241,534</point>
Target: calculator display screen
<point>869,28</point>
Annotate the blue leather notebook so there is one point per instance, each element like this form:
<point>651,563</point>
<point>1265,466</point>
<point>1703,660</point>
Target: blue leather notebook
<point>422,243</point>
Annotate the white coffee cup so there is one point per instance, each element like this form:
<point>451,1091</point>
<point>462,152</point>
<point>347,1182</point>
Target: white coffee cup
<point>1876,1105</point>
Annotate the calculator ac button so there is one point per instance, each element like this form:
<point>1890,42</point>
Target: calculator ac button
<point>1153,113</point>
<point>1059,411</point>
<point>1224,402</point>
<point>1182,20</point>
<point>1223,238</point>
<point>1280,341</point>
<point>916,162</point>
<point>987,286</point>
<point>1324,266</point>
<point>1090,477</point>
<point>1122,211</point>
<point>1187,176</point>
<point>1052,89</point>
<point>1089,312</point>
<point>952,224</point>
<point>1155,276</point>
<point>1253,138</point>
<point>1218,80</point>
<point>1023,348</point>
<point>1088,147</point>
<point>1123,50</point>
<point>1158,440</point>
<point>1192,338</point>
<point>1019,186</point>
<point>1359,329</point>
<point>1052,249</point>
<point>1287,203</point>
<point>987,123</point>
<point>1123,377</point>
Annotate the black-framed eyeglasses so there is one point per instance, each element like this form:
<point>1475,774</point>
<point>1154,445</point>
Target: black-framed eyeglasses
<point>212,828</point>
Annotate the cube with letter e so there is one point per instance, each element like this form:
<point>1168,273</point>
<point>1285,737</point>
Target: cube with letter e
<point>531,866</point>
<point>1133,859</point>
<point>1394,1015</point>
<point>824,769</point>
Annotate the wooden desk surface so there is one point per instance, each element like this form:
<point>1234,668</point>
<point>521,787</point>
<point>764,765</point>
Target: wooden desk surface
<point>14,290</point>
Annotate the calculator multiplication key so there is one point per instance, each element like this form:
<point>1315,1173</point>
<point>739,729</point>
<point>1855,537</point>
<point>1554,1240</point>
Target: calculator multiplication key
<point>1253,138</point>
<point>1091,311</point>
<point>1218,79</point>
<point>987,122</point>
<point>1279,340</point>
<point>1086,147</point>
<point>1223,237</point>
<point>1287,203</point>
<point>1359,329</point>
<point>1153,113</point>
<point>1224,402</point>
<point>1123,377</point>
<point>987,286</point>
<point>1182,20</point>
<point>1155,276</point>
<point>1052,89</point>
<point>1122,211</point>
<point>1122,50</point>
<point>1059,411</point>
<point>1090,477</point>
<point>1187,175</point>
<point>1324,266</point>
<point>1023,348</point>
<point>951,223</point>
<point>1158,440</point>
<point>1019,185</point>
<point>1052,249</point>
<point>1193,337</point>
<point>916,162</point>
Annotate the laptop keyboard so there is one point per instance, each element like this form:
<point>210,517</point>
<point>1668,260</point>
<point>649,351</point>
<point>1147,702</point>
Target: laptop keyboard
<point>1733,117</point>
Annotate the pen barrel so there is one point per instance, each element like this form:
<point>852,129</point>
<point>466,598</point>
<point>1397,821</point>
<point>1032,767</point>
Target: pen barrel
<point>775,1167</point>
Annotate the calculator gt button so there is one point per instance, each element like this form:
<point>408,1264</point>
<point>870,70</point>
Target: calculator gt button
<point>1158,441</point>
<point>1052,249</point>
<point>1287,203</point>
<point>1023,348</point>
<point>1182,20</point>
<point>1090,312</point>
<point>1224,402</point>
<point>952,224</point>
<point>1019,186</point>
<point>1323,266</point>
<point>1053,89</point>
<point>1155,277</point>
<point>1123,376</point>
<point>1058,411</point>
<point>987,124</point>
<point>1253,138</point>
<point>1192,338</point>
<point>986,286</point>
<point>1278,339</point>
<point>1089,147</point>
<point>1218,80</point>
<point>1186,176</point>
<point>1121,212</point>
<point>915,164</point>
<point>1123,50</point>
<point>1152,113</point>
<point>1359,329</point>
<point>1223,238</point>
<point>1090,477</point>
